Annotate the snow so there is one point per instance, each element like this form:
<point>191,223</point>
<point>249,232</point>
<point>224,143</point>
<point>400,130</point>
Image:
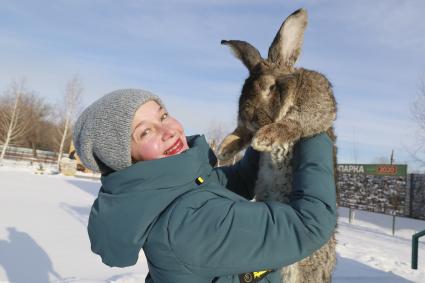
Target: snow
<point>367,252</point>
<point>43,236</point>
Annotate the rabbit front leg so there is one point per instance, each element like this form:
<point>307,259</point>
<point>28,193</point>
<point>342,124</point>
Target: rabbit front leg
<point>234,143</point>
<point>278,133</point>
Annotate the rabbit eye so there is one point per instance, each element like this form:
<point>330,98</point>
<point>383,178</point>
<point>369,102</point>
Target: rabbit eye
<point>272,88</point>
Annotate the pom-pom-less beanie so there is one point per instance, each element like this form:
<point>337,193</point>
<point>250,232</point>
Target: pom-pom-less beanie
<point>102,133</point>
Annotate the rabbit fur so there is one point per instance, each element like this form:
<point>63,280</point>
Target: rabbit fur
<point>279,105</point>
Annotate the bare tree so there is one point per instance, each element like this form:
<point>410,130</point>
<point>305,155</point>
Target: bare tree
<point>418,113</point>
<point>380,160</point>
<point>38,111</point>
<point>13,121</point>
<point>395,201</point>
<point>71,101</point>
<point>215,135</point>
<point>355,153</point>
<point>49,135</point>
<point>384,159</point>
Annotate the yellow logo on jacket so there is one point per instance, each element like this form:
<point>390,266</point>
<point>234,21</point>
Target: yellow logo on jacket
<point>259,273</point>
<point>253,277</point>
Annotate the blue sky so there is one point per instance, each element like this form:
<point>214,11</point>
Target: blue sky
<point>372,52</point>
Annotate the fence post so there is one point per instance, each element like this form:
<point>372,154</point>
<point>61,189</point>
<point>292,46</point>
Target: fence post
<point>350,215</point>
<point>415,242</point>
<point>393,225</point>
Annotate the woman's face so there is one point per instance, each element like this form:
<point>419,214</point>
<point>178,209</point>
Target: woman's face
<point>155,134</point>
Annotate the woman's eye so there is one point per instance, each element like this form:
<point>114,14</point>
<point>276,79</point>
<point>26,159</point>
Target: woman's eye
<point>164,116</point>
<point>145,132</point>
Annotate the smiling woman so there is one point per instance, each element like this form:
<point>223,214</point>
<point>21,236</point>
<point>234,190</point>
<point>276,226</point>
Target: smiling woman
<point>162,193</point>
<point>155,133</point>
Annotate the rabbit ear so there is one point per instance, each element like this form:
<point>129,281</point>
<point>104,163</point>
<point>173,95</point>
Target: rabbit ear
<point>286,46</point>
<point>247,53</point>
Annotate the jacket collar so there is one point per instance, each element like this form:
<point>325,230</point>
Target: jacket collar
<point>165,172</point>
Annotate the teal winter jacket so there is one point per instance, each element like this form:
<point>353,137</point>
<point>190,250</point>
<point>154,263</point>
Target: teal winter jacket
<point>196,224</point>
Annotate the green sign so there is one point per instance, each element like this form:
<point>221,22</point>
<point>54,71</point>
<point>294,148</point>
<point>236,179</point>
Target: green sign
<point>374,169</point>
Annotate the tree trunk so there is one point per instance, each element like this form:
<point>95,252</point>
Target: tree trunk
<point>34,149</point>
<point>65,132</point>
<point>11,127</point>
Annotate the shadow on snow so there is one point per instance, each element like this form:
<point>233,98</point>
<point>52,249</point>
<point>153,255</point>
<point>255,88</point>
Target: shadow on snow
<point>24,260</point>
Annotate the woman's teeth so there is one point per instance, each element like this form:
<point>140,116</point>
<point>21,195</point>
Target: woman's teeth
<point>174,149</point>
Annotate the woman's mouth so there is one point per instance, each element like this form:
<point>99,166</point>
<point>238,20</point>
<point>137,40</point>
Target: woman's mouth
<point>175,148</point>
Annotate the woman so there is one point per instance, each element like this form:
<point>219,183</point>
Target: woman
<point>161,192</point>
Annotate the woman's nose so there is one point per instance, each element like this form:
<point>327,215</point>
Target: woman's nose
<point>167,133</point>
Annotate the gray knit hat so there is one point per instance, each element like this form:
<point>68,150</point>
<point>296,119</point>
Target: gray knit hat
<point>102,133</point>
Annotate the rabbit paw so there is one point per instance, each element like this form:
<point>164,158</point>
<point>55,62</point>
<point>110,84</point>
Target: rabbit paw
<point>270,136</point>
<point>229,147</point>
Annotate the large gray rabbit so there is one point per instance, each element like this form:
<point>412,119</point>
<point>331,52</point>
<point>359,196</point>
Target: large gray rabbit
<point>279,105</point>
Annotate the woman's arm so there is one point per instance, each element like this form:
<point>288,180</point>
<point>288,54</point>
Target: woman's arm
<point>240,178</point>
<point>215,236</point>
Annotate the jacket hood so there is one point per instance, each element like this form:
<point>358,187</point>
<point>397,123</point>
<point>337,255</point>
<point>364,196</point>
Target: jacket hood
<point>130,200</point>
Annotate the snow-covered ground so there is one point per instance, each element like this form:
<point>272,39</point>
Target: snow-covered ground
<point>43,237</point>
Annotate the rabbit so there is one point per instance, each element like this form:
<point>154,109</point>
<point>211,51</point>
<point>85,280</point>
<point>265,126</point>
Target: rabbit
<point>280,104</point>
